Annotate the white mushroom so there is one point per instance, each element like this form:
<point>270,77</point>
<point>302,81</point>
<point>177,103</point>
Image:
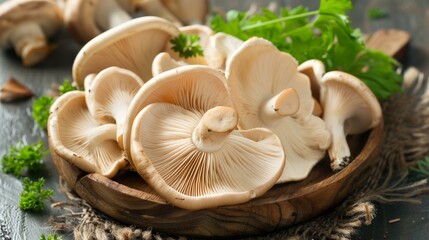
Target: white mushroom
<point>163,62</point>
<point>132,45</point>
<point>77,137</point>
<point>350,107</point>
<point>26,26</point>
<point>110,94</point>
<point>197,160</point>
<point>268,91</point>
<point>87,19</point>
<point>189,12</point>
<point>314,69</point>
<point>191,87</point>
<point>157,8</point>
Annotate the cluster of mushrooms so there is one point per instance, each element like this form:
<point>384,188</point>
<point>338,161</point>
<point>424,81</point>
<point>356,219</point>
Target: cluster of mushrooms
<point>233,123</point>
<point>27,25</point>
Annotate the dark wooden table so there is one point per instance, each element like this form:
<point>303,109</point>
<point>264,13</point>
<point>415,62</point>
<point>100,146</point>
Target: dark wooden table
<point>16,123</point>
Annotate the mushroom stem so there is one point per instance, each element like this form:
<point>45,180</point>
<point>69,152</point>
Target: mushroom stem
<point>213,129</point>
<point>339,152</point>
<point>110,14</point>
<point>29,42</point>
<point>286,103</point>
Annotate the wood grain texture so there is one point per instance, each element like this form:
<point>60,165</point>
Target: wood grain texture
<point>129,199</point>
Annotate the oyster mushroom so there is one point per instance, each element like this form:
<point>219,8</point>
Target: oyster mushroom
<point>76,136</point>
<point>191,87</point>
<point>314,69</point>
<point>189,12</point>
<point>109,94</point>
<point>132,46</point>
<point>26,26</point>
<point>195,159</point>
<point>268,91</point>
<point>163,62</point>
<point>350,107</point>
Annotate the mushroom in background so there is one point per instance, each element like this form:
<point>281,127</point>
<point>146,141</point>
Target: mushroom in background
<point>132,45</point>
<point>109,94</point>
<point>184,143</point>
<point>268,91</point>
<point>189,12</point>
<point>77,137</point>
<point>350,107</point>
<point>26,26</point>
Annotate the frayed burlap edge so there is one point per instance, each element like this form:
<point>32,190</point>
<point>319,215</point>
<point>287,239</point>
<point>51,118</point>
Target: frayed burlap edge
<point>406,140</point>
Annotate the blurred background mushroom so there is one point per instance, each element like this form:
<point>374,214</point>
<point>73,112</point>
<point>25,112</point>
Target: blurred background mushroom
<point>26,25</point>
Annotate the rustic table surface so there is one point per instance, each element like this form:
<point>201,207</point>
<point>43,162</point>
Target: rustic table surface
<point>16,122</point>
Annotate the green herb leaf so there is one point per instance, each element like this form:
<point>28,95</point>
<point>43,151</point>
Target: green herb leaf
<point>376,13</point>
<point>66,87</point>
<point>33,195</point>
<point>325,34</point>
<point>422,167</point>
<point>41,111</point>
<point>50,237</point>
<point>187,45</point>
<point>23,158</point>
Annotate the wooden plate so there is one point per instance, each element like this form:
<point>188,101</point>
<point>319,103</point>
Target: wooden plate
<point>127,198</point>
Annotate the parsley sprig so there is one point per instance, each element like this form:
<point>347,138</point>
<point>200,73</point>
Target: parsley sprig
<point>422,167</point>
<point>187,45</point>
<point>66,87</point>
<point>33,195</point>
<point>23,158</point>
<point>50,237</point>
<point>41,110</point>
<point>325,34</point>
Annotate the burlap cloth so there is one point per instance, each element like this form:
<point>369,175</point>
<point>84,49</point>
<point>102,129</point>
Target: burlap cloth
<point>406,140</point>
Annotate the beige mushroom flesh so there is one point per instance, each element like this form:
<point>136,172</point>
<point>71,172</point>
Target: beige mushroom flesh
<point>87,19</point>
<point>268,91</point>
<point>193,87</point>
<point>132,45</point>
<point>26,26</point>
<point>314,69</point>
<point>197,160</point>
<point>350,107</point>
<point>77,137</point>
<point>189,12</point>
<point>109,95</point>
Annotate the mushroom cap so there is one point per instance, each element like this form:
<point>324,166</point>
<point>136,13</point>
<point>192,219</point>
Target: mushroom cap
<point>79,19</point>
<point>256,72</point>
<point>194,87</point>
<point>189,11</point>
<point>133,45</point>
<point>44,12</point>
<point>110,95</point>
<point>163,62</point>
<point>314,69</point>
<point>248,164</point>
<point>77,137</point>
<point>220,48</point>
<point>346,97</point>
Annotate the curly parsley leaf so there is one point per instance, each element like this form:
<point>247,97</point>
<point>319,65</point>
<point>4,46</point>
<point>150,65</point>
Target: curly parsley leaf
<point>24,158</point>
<point>66,87</point>
<point>50,237</point>
<point>325,34</point>
<point>41,110</point>
<point>33,195</point>
<point>187,45</point>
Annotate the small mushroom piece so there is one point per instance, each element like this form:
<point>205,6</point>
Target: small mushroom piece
<point>109,96</point>
<point>189,12</point>
<point>132,45</point>
<point>76,136</point>
<point>350,107</point>
<point>87,19</point>
<point>268,91</point>
<point>26,26</point>
<point>13,90</point>
<point>163,62</point>
<point>314,69</point>
<point>197,160</point>
<point>193,87</point>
